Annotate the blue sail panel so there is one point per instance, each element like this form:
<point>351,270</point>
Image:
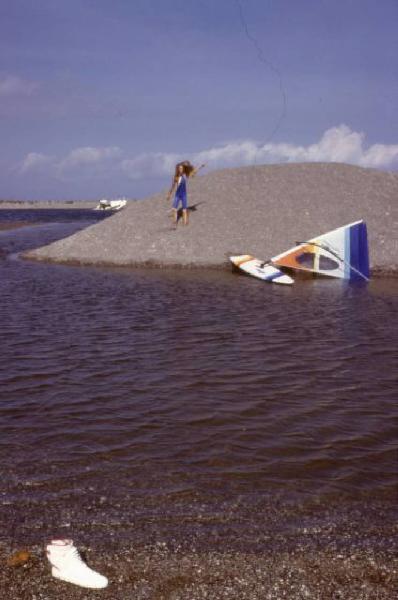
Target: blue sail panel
<point>359,253</point>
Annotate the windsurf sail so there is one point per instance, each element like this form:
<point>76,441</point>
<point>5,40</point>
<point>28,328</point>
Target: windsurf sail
<point>341,253</point>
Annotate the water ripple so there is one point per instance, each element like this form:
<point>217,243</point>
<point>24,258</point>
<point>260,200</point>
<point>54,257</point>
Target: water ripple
<point>169,381</point>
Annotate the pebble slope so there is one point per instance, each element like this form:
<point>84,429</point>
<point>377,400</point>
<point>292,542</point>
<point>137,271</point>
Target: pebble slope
<point>260,210</point>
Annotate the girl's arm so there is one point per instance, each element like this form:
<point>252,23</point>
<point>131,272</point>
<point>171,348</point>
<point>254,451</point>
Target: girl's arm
<point>197,169</point>
<point>173,185</point>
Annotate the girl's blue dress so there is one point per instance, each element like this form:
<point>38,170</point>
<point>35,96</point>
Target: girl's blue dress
<point>181,193</point>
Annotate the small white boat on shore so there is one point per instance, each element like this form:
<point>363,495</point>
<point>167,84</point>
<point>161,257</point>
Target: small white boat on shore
<point>105,204</point>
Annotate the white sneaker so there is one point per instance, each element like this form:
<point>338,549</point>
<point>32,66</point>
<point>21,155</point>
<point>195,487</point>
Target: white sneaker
<point>68,565</point>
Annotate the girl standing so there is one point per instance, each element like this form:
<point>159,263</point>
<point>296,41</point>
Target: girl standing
<point>183,171</point>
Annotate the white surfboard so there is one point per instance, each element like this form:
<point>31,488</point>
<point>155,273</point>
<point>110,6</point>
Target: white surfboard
<point>257,268</point>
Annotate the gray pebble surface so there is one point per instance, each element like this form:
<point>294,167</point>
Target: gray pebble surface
<point>345,551</point>
<point>157,573</point>
<point>258,210</point>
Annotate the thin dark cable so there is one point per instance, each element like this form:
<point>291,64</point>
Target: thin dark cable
<point>273,68</point>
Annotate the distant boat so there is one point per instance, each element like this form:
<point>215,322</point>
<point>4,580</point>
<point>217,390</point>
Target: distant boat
<point>341,253</point>
<point>111,204</point>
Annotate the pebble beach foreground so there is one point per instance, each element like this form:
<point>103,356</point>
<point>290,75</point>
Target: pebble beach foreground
<point>157,574</point>
<point>343,553</point>
<point>259,210</point>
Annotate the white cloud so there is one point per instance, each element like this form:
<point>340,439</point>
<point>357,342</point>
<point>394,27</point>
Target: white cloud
<point>236,153</point>
<point>338,144</point>
<point>150,165</point>
<point>12,85</point>
<point>76,162</point>
<point>34,161</point>
<point>379,156</point>
<point>89,155</point>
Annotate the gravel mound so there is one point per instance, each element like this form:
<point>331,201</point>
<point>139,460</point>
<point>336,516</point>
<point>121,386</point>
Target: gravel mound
<point>261,210</point>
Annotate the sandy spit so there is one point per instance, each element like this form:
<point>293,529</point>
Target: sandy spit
<point>15,225</point>
<point>47,204</point>
<point>261,210</point>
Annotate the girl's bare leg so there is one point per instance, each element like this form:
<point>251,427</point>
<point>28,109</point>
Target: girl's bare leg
<point>175,216</point>
<point>185,216</point>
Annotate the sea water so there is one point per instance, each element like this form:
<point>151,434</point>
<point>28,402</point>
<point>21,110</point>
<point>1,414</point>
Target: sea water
<point>132,396</point>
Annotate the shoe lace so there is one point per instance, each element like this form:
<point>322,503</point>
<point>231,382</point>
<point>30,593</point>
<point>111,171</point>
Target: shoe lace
<point>73,554</point>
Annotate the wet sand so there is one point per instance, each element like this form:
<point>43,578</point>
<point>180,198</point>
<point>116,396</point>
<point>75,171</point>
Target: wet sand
<point>348,554</point>
<point>259,210</point>
<point>14,225</point>
<point>156,573</point>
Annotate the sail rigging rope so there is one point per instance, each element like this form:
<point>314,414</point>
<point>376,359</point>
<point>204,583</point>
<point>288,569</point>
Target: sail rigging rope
<point>274,69</point>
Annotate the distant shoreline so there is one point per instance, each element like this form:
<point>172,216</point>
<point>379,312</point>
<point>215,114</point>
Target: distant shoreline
<point>40,204</point>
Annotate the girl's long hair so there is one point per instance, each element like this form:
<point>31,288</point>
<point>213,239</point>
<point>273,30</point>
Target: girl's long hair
<point>188,169</point>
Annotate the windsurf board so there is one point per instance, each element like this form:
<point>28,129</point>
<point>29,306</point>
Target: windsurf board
<point>257,268</point>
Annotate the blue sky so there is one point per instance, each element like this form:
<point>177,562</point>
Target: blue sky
<point>99,98</point>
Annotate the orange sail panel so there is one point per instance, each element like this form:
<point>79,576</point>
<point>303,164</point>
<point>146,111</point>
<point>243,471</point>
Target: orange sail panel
<point>301,257</point>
